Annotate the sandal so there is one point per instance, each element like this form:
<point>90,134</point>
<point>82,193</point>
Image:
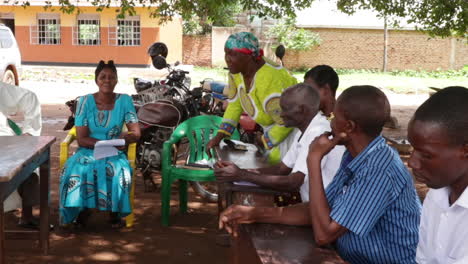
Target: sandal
<point>116,221</point>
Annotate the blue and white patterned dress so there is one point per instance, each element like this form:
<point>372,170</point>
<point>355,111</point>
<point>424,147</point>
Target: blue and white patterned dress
<point>89,183</point>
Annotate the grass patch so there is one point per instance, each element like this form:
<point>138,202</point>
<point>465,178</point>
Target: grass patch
<point>408,81</point>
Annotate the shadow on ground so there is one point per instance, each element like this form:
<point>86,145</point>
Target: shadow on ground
<point>190,238</point>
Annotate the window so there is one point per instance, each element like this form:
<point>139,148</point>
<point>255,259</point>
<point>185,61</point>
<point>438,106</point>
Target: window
<point>87,30</point>
<point>47,30</point>
<point>128,31</point>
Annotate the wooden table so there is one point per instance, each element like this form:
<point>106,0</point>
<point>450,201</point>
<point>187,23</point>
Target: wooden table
<point>19,157</point>
<point>230,193</point>
<point>266,243</point>
<point>272,244</point>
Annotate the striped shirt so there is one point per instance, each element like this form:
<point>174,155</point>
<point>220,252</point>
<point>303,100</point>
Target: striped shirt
<point>373,196</point>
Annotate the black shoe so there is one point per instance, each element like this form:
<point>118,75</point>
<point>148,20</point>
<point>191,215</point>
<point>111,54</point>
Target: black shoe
<point>32,224</point>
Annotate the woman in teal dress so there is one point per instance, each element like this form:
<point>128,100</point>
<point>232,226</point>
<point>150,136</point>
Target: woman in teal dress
<point>104,184</point>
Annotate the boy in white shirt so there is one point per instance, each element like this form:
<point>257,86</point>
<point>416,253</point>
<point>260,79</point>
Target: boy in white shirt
<point>438,133</point>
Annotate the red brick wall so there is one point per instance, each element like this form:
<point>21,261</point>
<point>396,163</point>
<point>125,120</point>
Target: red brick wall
<point>363,49</point>
<point>197,50</point>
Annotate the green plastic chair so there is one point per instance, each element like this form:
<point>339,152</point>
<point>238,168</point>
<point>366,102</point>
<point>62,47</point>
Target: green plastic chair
<point>199,130</point>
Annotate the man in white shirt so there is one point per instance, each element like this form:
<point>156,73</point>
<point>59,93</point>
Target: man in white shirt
<point>438,133</point>
<point>14,99</point>
<point>300,108</point>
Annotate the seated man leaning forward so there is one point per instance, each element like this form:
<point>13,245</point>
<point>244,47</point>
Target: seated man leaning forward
<point>370,211</point>
<point>299,108</point>
<point>17,99</point>
<point>438,132</point>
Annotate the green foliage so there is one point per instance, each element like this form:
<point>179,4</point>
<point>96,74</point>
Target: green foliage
<point>442,18</point>
<point>192,27</point>
<point>297,39</point>
<point>199,23</point>
<point>437,17</point>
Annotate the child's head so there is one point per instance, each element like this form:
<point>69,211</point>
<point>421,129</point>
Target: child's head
<point>322,77</point>
<point>438,133</point>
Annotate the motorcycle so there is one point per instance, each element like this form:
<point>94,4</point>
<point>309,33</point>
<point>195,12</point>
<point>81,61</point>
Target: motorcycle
<point>161,106</point>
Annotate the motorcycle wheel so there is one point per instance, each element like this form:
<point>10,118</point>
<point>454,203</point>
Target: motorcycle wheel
<point>206,191</point>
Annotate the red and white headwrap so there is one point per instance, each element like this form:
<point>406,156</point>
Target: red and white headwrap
<point>246,43</point>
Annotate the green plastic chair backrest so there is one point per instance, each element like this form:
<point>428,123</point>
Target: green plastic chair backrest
<point>199,130</point>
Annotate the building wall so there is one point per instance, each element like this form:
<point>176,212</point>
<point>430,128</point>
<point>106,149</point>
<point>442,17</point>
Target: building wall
<point>197,50</point>
<point>66,52</point>
<point>363,49</point>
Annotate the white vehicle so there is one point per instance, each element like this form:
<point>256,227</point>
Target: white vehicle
<point>10,57</point>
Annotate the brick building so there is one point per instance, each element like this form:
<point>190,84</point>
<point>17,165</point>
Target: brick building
<point>50,36</point>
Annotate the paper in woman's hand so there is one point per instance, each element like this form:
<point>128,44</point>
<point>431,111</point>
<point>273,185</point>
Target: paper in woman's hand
<point>106,148</point>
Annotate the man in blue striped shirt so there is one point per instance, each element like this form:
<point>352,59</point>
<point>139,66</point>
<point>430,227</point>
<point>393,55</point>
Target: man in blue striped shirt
<point>370,210</point>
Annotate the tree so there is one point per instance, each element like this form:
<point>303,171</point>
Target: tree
<point>297,39</point>
<point>437,17</point>
<point>199,23</point>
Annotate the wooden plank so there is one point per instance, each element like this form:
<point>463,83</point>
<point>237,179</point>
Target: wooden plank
<point>44,206</point>
<point>276,243</point>
<point>18,151</point>
<point>21,234</point>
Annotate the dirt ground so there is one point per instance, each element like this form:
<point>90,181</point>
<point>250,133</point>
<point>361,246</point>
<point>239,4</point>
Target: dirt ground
<point>190,239</point>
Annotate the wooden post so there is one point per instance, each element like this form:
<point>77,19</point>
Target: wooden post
<point>384,68</point>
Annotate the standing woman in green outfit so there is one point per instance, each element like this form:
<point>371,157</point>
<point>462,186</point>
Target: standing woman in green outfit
<point>255,88</point>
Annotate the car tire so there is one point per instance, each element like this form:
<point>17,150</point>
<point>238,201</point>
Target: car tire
<point>9,77</point>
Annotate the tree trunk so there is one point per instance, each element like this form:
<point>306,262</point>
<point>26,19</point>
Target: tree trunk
<point>384,68</point>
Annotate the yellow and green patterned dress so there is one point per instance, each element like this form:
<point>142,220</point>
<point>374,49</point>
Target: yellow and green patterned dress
<point>261,103</point>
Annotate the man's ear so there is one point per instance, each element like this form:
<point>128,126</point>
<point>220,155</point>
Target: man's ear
<point>465,150</point>
<point>350,127</point>
<point>328,90</point>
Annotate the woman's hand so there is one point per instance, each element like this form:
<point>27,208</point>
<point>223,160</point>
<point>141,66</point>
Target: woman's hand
<point>234,215</point>
<point>322,145</point>
<point>214,142</point>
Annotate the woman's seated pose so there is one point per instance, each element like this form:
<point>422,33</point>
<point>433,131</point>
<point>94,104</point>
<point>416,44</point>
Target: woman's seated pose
<point>104,184</point>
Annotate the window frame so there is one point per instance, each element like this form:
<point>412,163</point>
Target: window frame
<point>87,19</point>
<point>47,29</point>
<point>131,36</point>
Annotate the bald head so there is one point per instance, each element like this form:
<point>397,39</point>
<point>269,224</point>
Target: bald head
<point>299,105</point>
<point>367,106</point>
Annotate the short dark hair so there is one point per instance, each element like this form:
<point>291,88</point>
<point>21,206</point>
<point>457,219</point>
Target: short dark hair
<point>449,109</point>
<point>367,106</point>
<point>323,74</point>
<point>306,94</point>
<point>102,65</point>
